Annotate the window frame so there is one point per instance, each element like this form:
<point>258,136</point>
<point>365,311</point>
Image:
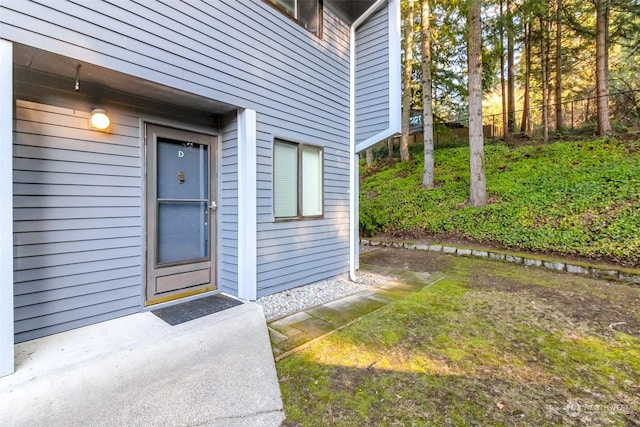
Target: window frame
<point>318,32</point>
<point>299,181</point>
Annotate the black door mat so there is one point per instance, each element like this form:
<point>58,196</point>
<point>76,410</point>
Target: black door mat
<point>194,309</point>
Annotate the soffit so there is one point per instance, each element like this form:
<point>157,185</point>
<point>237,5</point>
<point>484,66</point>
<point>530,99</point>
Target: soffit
<point>353,8</point>
<point>92,77</point>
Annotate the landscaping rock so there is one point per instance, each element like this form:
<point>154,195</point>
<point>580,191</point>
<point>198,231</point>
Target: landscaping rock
<point>511,258</point>
<point>631,278</point>
<point>554,265</point>
<point>576,269</point>
<point>604,273</point>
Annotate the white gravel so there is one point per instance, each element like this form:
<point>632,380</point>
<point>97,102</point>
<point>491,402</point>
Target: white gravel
<point>296,299</point>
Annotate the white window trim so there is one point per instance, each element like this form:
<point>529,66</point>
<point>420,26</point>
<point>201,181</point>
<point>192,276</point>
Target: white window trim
<point>6,209</point>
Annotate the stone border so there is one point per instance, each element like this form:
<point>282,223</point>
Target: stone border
<point>609,272</point>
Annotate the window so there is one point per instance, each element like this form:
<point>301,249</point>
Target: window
<point>306,12</point>
<point>297,180</point>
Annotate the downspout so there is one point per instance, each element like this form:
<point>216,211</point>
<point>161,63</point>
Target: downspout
<point>394,119</point>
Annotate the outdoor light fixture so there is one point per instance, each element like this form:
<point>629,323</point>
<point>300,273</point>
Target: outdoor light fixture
<point>99,119</point>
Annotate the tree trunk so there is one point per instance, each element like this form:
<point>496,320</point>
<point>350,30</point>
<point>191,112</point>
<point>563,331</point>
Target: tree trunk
<point>503,91</point>
<point>545,100</point>
<point>478,185</point>
<point>558,88</point>
<point>511,72</point>
<point>390,147</point>
<point>602,71</point>
<point>408,79</point>
<point>525,125</point>
<point>427,112</point>
<point>547,59</point>
<point>369,154</point>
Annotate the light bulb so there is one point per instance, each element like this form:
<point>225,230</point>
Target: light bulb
<point>99,119</point>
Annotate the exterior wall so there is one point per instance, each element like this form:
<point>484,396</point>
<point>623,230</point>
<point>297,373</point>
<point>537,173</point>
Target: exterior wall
<point>199,47</point>
<point>228,205</point>
<point>372,76</point>
<point>298,84</point>
<point>294,253</point>
<point>77,220</point>
<point>79,237</point>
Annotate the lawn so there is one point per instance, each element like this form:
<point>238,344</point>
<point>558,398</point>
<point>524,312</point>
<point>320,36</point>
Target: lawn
<point>578,198</point>
<point>489,343</point>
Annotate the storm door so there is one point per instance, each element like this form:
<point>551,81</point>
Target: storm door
<point>180,213</point>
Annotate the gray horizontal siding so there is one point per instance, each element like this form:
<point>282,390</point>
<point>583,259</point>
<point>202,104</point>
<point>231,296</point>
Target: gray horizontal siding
<point>82,246</point>
<point>71,319</point>
<point>75,224</point>
<point>294,253</point>
<point>60,235</point>
<point>306,260</point>
<point>242,53</point>
<point>77,220</point>
<point>304,271</point>
<point>372,76</point>
<point>200,47</point>
<point>228,205</point>
<point>87,267</point>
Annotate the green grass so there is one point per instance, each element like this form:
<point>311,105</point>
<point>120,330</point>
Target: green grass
<point>576,198</point>
<point>482,347</point>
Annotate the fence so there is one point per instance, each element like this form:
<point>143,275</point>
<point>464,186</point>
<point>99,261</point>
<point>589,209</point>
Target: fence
<point>579,117</point>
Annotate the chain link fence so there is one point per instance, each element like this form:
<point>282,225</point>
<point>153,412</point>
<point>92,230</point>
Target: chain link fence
<point>578,118</point>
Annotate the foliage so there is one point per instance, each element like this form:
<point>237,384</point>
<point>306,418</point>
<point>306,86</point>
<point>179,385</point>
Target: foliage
<point>575,198</point>
<point>576,51</point>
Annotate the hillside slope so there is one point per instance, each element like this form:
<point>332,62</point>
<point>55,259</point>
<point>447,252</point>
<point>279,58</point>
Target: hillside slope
<point>578,198</point>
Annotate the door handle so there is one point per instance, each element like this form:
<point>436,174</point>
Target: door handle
<point>213,206</point>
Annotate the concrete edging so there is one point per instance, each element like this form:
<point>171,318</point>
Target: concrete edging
<point>611,272</point>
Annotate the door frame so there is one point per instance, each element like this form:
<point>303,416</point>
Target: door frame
<point>177,132</point>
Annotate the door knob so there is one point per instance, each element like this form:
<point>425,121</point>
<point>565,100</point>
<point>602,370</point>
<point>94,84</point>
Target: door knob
<point>213,206</point>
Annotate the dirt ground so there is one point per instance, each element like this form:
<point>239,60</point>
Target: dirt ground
<point>605,304</point>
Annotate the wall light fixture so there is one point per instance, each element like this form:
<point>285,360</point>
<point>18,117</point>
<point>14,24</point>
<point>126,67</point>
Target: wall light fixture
<point>99,119</point>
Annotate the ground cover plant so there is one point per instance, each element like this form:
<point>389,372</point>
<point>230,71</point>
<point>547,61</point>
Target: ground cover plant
<point>577,198</point>
<point>487,343</point>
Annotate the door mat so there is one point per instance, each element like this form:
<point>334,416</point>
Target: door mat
<point>194,309</point>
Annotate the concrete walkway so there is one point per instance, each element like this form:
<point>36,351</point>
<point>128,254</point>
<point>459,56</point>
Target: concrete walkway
<point>293,332</point>
<point>139,371</point>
